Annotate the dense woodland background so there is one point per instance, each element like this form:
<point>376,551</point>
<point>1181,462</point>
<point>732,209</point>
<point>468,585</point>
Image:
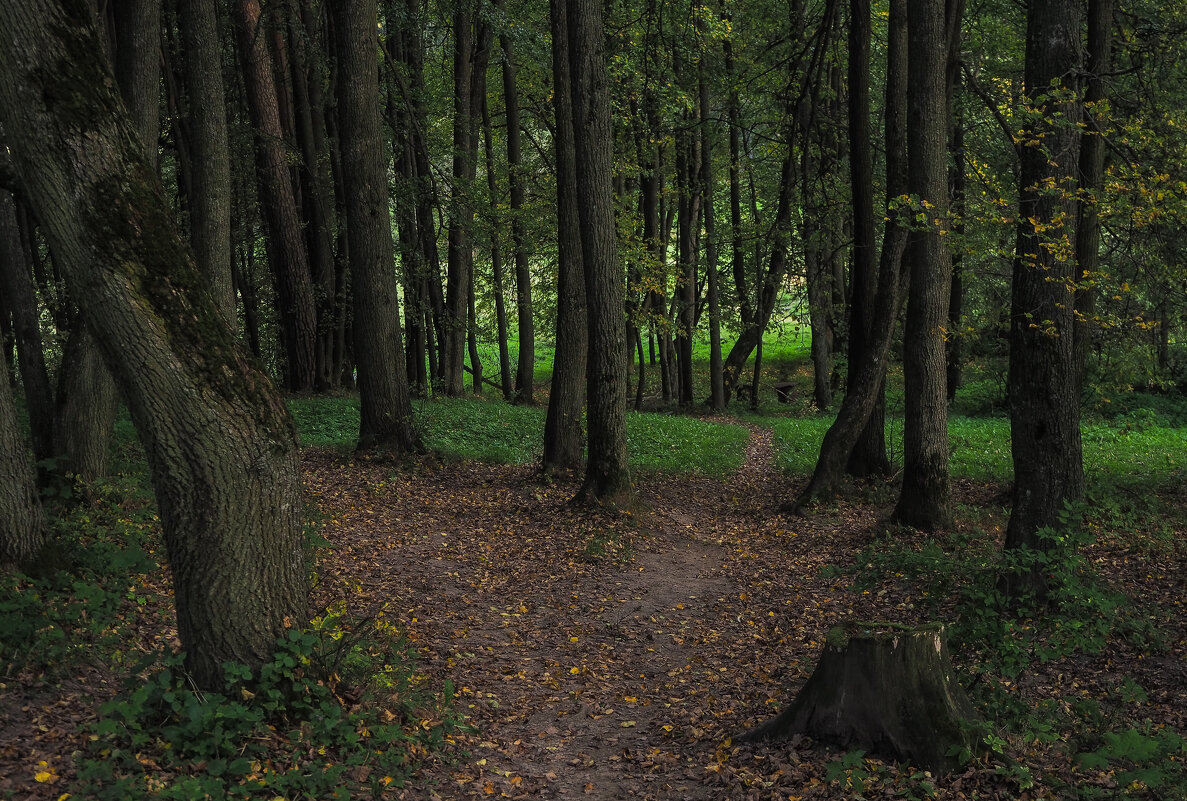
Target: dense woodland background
<point>915,206</point>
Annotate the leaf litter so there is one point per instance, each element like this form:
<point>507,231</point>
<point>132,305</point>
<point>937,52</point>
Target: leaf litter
<point>615,654</point>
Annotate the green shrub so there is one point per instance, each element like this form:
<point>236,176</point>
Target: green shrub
<point>340,709</point>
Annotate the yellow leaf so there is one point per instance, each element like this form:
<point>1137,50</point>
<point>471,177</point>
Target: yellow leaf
<point>574,670</point>
<point>626,724</point>
<point>43,776</point>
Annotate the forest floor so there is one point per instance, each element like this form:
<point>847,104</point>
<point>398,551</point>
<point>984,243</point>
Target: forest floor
<point>614,655</point>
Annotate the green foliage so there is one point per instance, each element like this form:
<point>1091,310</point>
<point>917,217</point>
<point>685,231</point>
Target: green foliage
<point>482,430</point>
<point>1145,763</point>
<point>77,589</point>
<point>340,709</point>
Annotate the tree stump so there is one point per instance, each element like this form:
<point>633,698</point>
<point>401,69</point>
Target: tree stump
<point>887,689</point>
<point>783,391</point>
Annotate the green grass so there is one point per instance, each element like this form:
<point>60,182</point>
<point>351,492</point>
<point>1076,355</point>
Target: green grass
<point>1116,453</point>
<point>494,431</point>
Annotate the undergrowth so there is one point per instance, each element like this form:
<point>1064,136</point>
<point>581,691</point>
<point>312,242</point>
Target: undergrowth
<point>998,640</point>
<point>340,710</point>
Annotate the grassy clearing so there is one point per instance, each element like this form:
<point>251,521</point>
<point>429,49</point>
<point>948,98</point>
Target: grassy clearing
<point>494,431</point>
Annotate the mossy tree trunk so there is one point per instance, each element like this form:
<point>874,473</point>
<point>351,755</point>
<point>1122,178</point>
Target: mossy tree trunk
<point>885,688</point>
<point>220,443</point>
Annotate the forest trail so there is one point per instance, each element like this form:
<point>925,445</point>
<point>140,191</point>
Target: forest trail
<point>597,655</point>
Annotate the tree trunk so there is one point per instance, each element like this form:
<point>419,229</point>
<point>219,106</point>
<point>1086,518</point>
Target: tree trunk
<point>287,254</point>
<point>607,477</point>
<point>385,405</point>
<point>887,689</point>
<point>868,457</point>
<point>1091,176</point>
<point>716,384</point>
<point>209,195</point>
<point>863,395</point>
<point>496,261</point>
<point>954,354</point>
<point>307,53</point>
<point>461,217</point>
<point>18,299</point>
<point>22,523</point>
<point>525,366</point>
<point>1044,403</point>
<point>924,496</point>
<point>220,444</point>
<point>563,439</point>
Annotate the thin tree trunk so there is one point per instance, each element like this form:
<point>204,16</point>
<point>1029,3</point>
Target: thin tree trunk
<point>924,496</point>
<point>869,452</point>
<point>385,405</point>
<point>220,444</point>
<point>18,299</point>
<point>285,240</point>
<point>496,261</point>
<point>607,478</point>
<point>209,196</point>
<point>525,366</point>
<point>461,217</point>
<point>563,439</point>
<point>22,522</point>
<point>716,383</point>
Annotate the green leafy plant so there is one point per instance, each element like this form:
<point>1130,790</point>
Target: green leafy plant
<point>340,709</point>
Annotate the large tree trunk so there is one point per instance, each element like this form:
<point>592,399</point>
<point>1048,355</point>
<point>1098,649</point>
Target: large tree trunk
<point>384,403</point>
<point>887,689</point>
<point>209,195</point>
<point>563,439</point>
<point>285,240</point>
<point>1044,402</point>
<point>607,476</point>
<point>924,496</point>
<point>220,444</point>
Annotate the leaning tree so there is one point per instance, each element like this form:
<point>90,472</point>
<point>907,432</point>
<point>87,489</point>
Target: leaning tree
<point>221,446</point>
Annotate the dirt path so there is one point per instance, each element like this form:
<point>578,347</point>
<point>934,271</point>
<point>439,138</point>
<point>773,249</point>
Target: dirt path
<point>597,656</point>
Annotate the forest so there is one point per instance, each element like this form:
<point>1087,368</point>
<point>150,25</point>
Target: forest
<point>658,399</point>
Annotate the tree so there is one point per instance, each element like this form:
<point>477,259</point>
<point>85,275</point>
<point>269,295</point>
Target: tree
<point>287,252</point>
<point>22,523</point>
<point>923,500</point>
<point>607,476</point>
<point>865,383</point>
<point>220,444</point>
<point>563,439</point>
<point>209,195</point>
<point>1043,390</point>
<point>385,405</point>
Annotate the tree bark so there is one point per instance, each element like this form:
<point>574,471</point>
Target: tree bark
<point>385,405</point>
<point>1043,399</point>
<point>525,365</point>
<point>924,495</point>
<point>887,689</point>
<point>286,243</point>
<point>716,382</point>
<point>868,456</point>
<point>864,391</point>
<point>496,259</point>
<point>220,444</point>
<point>563,438</point>
<point>20,301</point>
<point>607,477</point>
<point>209,195</point>
<point>22,523</point>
